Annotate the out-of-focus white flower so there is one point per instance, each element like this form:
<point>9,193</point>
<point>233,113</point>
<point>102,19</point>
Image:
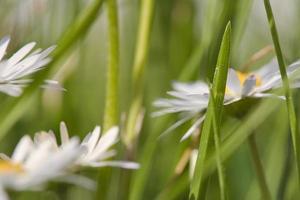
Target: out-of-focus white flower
<point>191,99</point>
<point>257,84</point>
<point>22,64</point>
<point>97,148</point>
<point>34,164</point>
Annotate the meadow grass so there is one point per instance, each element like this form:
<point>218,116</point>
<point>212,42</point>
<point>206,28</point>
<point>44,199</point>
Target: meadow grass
<point>115,58</point>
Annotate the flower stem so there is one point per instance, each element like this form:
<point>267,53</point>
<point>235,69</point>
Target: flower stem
<point>288,94</point>
<point>220,168</point>
<point>141,52</point>
<point>216,130</point>
<point>219,82</point>
<point>265,192</point>
<point>111,101</point>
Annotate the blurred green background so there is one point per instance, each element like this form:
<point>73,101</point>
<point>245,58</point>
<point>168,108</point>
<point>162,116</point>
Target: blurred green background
<point>184,44</point>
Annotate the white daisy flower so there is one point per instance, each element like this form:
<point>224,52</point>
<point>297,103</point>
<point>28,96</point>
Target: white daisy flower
<point>22,64</point>
<point>97,148</point>
<point>257,84</point>
<point>191,99</point>
<point>34,164</point>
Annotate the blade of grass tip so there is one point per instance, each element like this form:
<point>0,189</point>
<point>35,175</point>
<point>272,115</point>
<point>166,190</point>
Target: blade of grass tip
<point>259,170</point>
<point>112,76</point>
<point>288,94</point>
<point>141,52</point>
<point>13,110</point>
<point>216,131</point>
<point>219,84</point>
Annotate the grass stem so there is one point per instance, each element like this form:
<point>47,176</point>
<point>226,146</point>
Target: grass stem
<point>141,52</point>
<point>288,94</point>
<point>218,88</point>
<point>261,177</point>
<point>111,101</point>
<point>217,142</point>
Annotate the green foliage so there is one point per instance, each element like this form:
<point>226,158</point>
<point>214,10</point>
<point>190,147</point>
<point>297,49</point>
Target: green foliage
<point>219,84</point>
<point>288,94</point>
<point>114,64</point>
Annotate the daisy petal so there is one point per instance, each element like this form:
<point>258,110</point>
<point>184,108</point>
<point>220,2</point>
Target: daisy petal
<point>233,83</point>
<point>192,128</point>
<point>3,46</point>
<point>12,90</point>
<point>122,164</point>
<point>249,85</point>
<point>263,95</point>
<point>93,139</point>
<point>22,149</point>
<point>19,55</point>
<point>175,125</point>
<point>64,135</point>
<point>266,71</point>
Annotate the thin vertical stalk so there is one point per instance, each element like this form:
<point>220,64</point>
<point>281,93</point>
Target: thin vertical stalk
<point>112,79</point>
<point>218,88</point>
<point>216,130</point>
<point>288,94</point>
<point>286,172</point>
<point>259,170</point>
<point>141,52</point>
<point>135,110</point>
<point>220,168</point>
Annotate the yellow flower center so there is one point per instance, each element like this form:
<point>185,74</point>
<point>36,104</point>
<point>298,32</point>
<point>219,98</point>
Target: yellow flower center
<point>243,76</point>
<point>9,167</point>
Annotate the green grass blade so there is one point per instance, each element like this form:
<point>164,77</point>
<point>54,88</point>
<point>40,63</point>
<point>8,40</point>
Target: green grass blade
<point>146,159</point>
<point>175,189</point>
<point>276,155</point>
<point>141,53</point>
<point>260,173</point>
<point>216,130</point>
<point>112,78</point>
<point>288,94</point>
<point>13,110</point>
<point>241,134</point>
<point>219,84</point>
